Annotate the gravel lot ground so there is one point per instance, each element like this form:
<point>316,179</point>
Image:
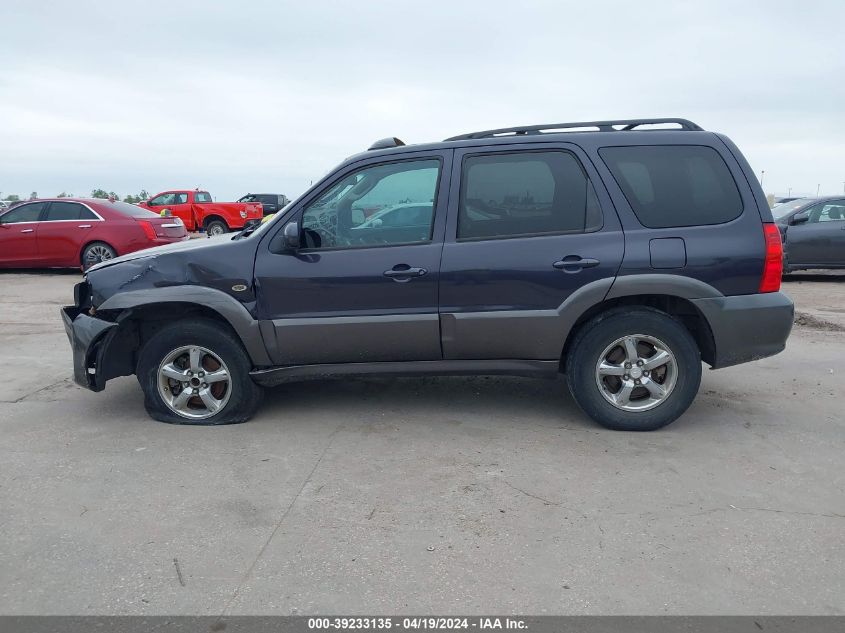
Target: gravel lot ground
<point>453,495</point>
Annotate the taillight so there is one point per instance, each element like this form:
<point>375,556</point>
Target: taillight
<point>148,229</point>
<point>773,263</point>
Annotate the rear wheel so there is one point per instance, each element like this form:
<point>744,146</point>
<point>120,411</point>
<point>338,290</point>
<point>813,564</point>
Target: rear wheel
<point>636,370</point>
<point>197,373</point>
<point>95,253</point>
<point>216,227</point>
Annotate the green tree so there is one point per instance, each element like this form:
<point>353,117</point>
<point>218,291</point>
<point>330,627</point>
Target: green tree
<point>99,193</point>
<point>143,195</point>
<point>64,194</point>
<point>13,197</point>
<point>33,195</point>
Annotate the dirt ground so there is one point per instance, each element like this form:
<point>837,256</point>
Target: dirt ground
<point>441,495</point>
<point>819,298</point>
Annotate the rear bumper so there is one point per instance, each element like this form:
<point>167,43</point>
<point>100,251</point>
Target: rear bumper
<point>747,327</point>
<point>87,337</point>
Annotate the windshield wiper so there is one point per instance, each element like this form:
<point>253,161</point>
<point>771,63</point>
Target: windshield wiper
<point>247,230</point>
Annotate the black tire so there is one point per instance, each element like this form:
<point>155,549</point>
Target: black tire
<point>95,253</point>
<point>245,396</point>
<point>596,335</point>
<point>216,227</point>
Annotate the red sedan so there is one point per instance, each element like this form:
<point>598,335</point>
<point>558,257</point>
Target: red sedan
<point>72,232</point>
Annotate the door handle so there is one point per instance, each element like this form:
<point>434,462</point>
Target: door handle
<point>27,230</point>
<point>403,272</point>
<point>574,263</point>
<point>84,226</point>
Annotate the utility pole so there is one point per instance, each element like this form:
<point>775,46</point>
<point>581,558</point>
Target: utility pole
<point>818,186</point>
<point>789,195</point>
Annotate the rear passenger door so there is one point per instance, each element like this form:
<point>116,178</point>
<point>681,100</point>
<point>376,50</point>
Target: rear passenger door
<point>63,232</point>
<point>529,226</point>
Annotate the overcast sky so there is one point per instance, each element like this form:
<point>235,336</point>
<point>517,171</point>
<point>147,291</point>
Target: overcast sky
<point>246,96</point>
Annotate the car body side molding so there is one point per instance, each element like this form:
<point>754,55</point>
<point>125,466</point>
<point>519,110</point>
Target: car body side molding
<point>508,367</point>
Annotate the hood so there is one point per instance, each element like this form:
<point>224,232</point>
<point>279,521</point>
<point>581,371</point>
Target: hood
<point>220,262</point>
<point>188,245</point>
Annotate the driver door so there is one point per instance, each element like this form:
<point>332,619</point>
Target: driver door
<point>359,291</point>
<point>821,239</point>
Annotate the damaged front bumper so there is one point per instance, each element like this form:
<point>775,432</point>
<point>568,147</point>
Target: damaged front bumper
<point>89,337</point>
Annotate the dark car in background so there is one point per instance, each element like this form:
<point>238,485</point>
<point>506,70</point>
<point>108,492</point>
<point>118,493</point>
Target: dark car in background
<point>74,232</point>
<point>621,257</point>
<point>270,202</point>
<point>813,232</point>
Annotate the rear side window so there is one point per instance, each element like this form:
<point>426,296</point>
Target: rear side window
<point>130,210</point>
<point>200,196</point>
<point>525,193</point>
<point>675,185</point>
<point>68,211</point>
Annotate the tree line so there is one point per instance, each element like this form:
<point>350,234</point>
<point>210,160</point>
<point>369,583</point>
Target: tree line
<point>95,193</point>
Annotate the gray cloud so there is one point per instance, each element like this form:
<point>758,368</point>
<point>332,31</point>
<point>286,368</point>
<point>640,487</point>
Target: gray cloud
<point>236,96</point>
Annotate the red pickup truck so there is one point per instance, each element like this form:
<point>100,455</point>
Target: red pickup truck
<point>198,211</point>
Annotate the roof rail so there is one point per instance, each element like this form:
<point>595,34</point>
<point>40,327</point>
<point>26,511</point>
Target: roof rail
<point>603,126</point>
<point>384,143</point>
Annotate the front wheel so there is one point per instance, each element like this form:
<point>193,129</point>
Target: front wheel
<point>636,370</point>
<point>197,373</point>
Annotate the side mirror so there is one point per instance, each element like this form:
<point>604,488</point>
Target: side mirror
<point>291,233</point>
<point>800,218</point>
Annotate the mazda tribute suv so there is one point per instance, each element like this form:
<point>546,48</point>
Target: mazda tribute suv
<point>620,254</point>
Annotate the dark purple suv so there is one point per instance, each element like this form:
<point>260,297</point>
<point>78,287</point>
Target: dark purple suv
<point>620,253</point>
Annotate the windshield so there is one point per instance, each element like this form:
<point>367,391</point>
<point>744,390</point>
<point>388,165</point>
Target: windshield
<point>784,208</point>
<point>261,228</point>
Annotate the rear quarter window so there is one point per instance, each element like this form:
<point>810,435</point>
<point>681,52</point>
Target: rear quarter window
<point>675,185</point>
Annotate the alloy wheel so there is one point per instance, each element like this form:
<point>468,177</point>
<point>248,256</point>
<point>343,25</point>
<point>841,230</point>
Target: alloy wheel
<point>194,382</point>
<point>636,372</point>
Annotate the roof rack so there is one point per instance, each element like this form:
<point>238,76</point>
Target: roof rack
<point>619,125</point>
<point>384,143</point>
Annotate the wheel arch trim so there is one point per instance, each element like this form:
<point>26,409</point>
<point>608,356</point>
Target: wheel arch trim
<point>229,309</point>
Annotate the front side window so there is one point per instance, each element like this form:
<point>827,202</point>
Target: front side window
<point>785,208</point>
<point>68,211</point>
<point>674,185</point>
<point>828,212</point>
<point>525,193</point>
<point>376,206</point>
<point>165,198</point>
<point>23,213</point>
<point>199,196</point>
